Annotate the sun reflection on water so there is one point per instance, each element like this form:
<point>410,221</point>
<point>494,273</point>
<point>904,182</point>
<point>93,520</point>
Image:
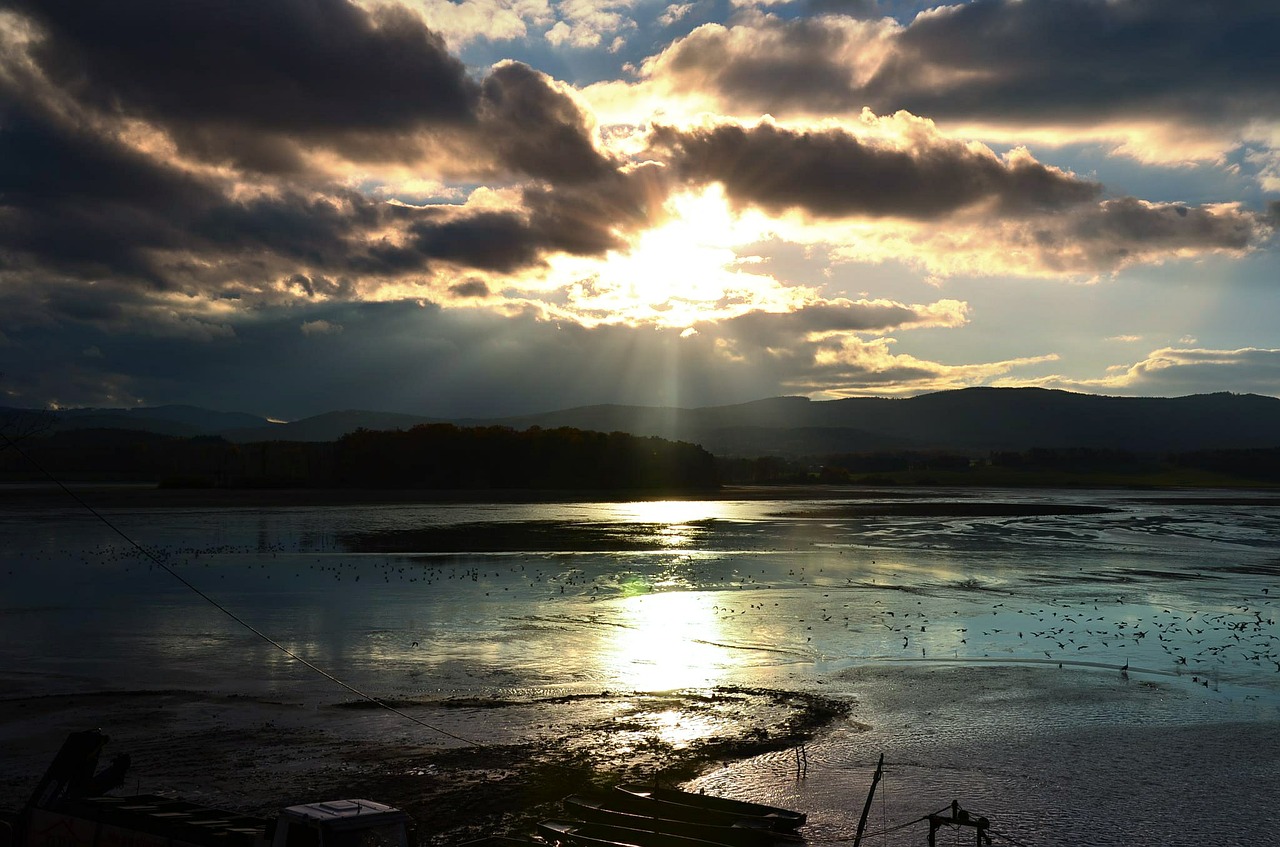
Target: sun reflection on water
<point>668,523</point>
<point>667,640</point>
<point>669,511</point>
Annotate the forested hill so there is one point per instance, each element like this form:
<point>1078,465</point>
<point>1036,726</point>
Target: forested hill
<point>972,421</point>
<point>435,456</point>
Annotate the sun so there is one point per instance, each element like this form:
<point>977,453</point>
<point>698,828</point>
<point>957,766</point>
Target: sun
<point>686,270</point>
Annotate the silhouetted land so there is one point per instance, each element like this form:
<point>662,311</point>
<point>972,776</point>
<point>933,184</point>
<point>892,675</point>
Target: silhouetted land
<point>545,464</point>
<point>434,456</point>
<point>972,421</point>
<point>1038,467</point>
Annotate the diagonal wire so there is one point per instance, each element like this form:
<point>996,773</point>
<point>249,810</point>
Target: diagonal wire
<point>276,644</point>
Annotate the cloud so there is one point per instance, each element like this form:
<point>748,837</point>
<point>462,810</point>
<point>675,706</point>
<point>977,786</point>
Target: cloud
<point>536,127</point>
<point>78,201</point>
<point>1164,80</point>
<point>461,23</point>
<point>1083,61</point>
<point>298,87</point>
<point>191,188</point>
<point>816,324</point>
<point>586,23</point>
<point>123,158</point>
<point>674,12</point>
<point>473,362</point>
<point>84,204</point>
<point>833,173</point>
<point>914,195</point>
<point>321,327</point>
<point>823,349</point>
<point>1175,371</point>
<point>471,288</point>
<point>1082,243</point>
<point>245,84</point>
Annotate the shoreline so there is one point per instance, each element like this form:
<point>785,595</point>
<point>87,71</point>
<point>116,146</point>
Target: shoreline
<point>255,755</point>
<point>47,496</point>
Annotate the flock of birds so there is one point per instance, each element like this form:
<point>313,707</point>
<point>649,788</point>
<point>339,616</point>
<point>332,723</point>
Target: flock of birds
<point>1164,639</point>
<point>942,623</point>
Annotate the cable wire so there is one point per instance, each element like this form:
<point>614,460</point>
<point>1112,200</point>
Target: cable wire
<point>276,644</point>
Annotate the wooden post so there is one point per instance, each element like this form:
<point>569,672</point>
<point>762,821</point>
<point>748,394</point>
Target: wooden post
<point>959,817</point>
<point>866,808</point>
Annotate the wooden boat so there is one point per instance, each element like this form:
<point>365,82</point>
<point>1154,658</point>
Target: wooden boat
<point>674,803</point>
<point>588,834</point>
<point>615,812</point>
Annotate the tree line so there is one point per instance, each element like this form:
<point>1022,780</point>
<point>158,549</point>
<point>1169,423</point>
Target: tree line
<point>431,456</point>
<point>1260,465</point>
<point>447,457</point>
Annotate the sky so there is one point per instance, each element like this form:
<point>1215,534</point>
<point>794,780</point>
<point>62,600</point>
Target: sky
<point>477,208</point>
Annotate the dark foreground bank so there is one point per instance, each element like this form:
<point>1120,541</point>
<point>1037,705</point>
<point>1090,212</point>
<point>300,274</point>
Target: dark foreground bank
<point>256,755</point>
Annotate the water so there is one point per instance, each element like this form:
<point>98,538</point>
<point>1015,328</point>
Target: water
<point>1082,667</point>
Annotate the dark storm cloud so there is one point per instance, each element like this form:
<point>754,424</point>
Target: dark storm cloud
<point>1007,61</point>
<point>79,202</point>
<point>1087,59</point>
<point>219,71</point>
<point>342,288</point>
<point>780,68</point>
<point>536,129</point>
<point>834,174</point>
<point>470,288</point>
<point>584,219</point>
<point>260,85</point>
<point>465,363</point>
<point>74,200</point>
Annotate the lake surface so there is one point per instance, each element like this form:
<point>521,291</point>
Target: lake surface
<point>1094,667</point>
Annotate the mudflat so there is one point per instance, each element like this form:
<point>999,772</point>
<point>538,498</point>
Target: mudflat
<point>255,755</point>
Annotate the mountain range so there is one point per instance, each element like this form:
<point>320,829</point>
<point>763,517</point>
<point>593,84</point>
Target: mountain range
<point>971,420</point>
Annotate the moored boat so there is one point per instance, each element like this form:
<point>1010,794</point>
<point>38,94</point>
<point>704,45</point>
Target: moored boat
<point>674,803</point>
<point>604,809</point>
<point>587,834</point>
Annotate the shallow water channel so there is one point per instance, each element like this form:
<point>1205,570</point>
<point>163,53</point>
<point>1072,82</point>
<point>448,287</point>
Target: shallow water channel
<point>1096,667</point>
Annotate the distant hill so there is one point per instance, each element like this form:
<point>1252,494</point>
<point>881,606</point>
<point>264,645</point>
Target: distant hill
<point>329,426</point>
<point>175,420</point>
<point>973,420</point>
<point>170,420</point>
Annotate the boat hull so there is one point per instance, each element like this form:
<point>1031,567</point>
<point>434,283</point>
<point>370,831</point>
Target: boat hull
<point>686,805</point>
<point>588,834</point>
<point>605,810</point>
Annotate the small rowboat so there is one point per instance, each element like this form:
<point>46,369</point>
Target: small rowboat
<point>587,834</point>
<point>605,809</point>
<point>686,805</point>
